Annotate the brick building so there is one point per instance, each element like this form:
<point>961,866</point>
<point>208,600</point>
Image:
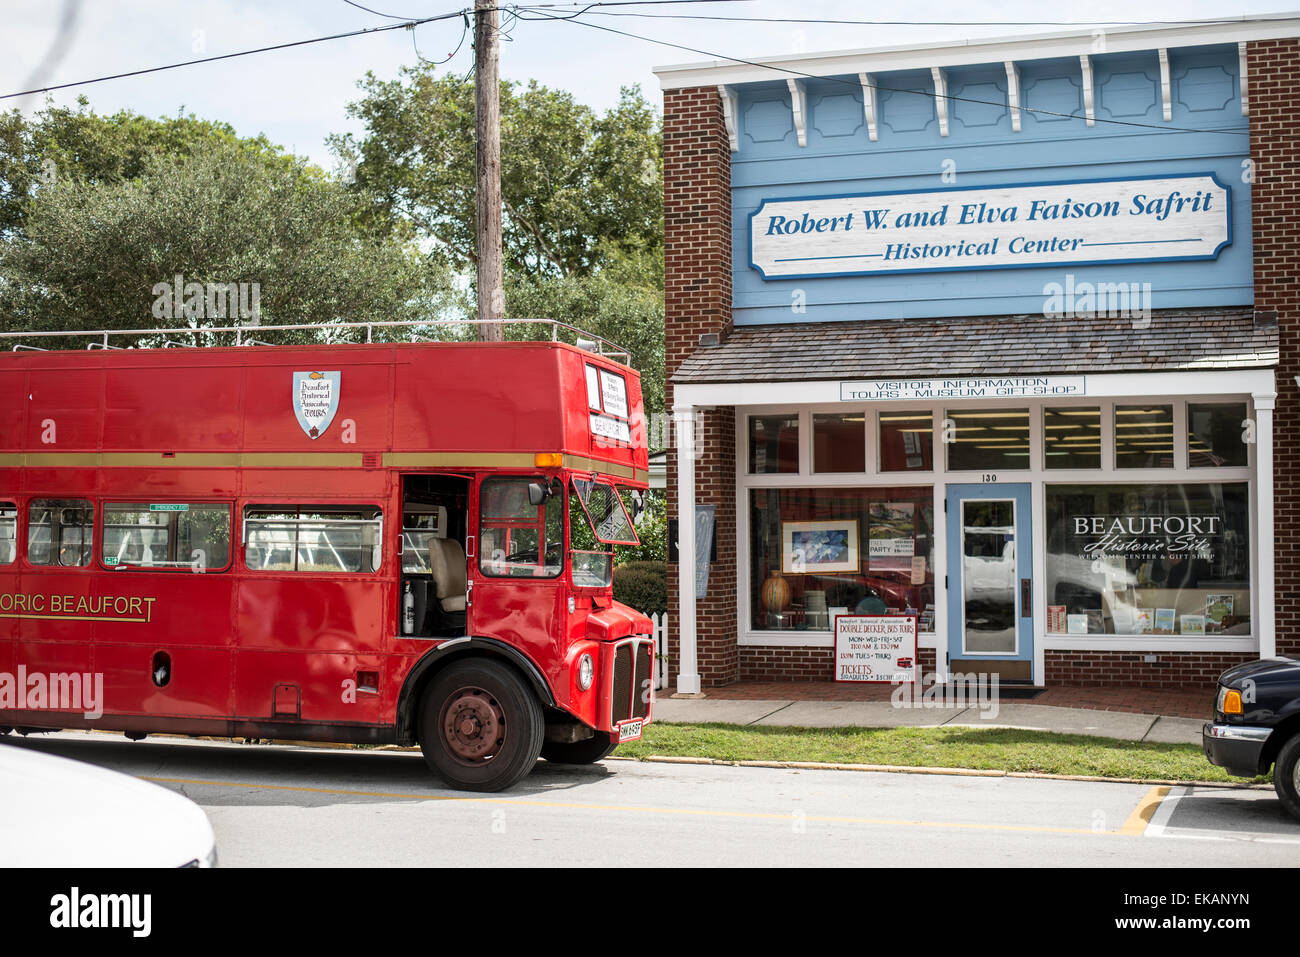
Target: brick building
<point>998,334</point>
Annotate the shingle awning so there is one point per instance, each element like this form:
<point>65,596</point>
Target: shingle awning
<point>896,348</point>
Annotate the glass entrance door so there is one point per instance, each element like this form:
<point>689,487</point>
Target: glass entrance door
<point>990,567</point>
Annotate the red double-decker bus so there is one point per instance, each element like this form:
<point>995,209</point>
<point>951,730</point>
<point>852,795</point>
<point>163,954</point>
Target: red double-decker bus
<point>383,543</point>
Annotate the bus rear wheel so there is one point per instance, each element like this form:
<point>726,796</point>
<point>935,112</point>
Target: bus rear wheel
<point>579,752</point>
<point>480,726</point>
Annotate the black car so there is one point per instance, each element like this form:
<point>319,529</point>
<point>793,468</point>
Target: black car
<point>1257,724</point>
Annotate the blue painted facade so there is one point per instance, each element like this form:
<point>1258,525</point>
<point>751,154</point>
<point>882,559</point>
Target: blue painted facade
<point>982,150</point>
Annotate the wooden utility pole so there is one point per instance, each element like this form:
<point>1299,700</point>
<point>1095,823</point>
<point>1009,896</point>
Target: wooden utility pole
<point>487,110</point>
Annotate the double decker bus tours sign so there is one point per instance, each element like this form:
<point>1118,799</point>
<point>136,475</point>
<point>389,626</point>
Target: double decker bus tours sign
<point>875,648</point>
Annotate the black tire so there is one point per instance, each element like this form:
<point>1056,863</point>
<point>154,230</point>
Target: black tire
<point>580,752</point>
<point>1286,776</point>
<point>481,727</point>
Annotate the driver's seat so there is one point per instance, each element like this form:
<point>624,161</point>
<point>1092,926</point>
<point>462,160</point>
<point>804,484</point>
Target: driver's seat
<point>447,563</point>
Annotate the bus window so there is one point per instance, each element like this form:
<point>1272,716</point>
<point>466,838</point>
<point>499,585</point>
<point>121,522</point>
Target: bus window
<point>517,538</point>
<point>420,525</point>
<point>59,532</point>
<point>167,535</point>
<point>313,538</point>
<point>8,533</point>
<point>605,511</point>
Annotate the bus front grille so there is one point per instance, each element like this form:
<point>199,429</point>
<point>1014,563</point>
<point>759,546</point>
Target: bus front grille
<point>630,683</point>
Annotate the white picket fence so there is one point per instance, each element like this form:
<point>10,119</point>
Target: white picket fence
<point>661,650</point>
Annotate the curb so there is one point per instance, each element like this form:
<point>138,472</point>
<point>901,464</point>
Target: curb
<point>955,772</point>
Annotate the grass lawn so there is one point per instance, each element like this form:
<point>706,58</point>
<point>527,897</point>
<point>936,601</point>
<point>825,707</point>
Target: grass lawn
<point>1001,749</point>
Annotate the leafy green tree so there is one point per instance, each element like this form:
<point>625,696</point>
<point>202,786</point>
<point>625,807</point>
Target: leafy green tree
<point>622,302</point>
<point>61,144</point>
<point>577,187</point>
<point>106,254</point>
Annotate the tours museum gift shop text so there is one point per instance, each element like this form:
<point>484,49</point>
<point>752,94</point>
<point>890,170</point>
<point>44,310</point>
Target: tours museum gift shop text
<point>998,336</point>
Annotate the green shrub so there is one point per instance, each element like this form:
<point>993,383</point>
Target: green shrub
<point>643,586</point>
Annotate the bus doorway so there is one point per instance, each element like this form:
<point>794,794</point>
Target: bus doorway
<point>433,590</point>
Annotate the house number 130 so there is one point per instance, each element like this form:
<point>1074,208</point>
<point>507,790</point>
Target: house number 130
<point>988,477</point>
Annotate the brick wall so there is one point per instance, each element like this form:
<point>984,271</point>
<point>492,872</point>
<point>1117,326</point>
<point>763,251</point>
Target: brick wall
<point>1273,69</point>
<point>697,299</point>
<point>776,663</point>
<point>1181,669</point>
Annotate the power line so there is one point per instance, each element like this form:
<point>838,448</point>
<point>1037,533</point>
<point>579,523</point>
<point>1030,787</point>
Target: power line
<point>1163,128</point>
<point>410,24</point>
<point>378,13</point>
<point>921,23</point>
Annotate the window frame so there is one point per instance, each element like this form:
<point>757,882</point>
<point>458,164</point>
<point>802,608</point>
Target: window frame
<point>17,512</point>
<point>171,566</point>
<point>28,525</point>
<point>514,522</point>
<point>1035,477</point>
<point>314,508</point>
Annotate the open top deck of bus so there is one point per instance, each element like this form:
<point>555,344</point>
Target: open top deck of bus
<point>407,405</point>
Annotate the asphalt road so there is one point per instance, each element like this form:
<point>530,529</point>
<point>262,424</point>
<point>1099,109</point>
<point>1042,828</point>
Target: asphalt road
<point>280,805</point>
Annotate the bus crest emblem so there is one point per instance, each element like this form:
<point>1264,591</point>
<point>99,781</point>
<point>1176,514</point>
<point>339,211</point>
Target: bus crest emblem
<point>315,400</point>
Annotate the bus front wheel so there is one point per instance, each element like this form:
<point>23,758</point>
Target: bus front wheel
<point>481,727</point>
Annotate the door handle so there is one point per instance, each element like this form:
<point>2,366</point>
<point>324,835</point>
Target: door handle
<point>1026,598</point>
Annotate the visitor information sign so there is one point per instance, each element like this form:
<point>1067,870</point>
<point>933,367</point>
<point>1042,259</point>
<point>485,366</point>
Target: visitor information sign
<point>879,648</point>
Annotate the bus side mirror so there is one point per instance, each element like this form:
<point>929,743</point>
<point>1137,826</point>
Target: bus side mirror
<point>538,493</point>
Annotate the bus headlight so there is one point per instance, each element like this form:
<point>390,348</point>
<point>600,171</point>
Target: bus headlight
<point>586,672</point>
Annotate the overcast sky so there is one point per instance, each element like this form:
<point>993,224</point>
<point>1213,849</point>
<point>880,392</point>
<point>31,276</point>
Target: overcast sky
<point>297,97</point>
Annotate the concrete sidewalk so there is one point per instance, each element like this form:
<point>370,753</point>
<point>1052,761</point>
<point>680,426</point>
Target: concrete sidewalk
<point>884,714</point>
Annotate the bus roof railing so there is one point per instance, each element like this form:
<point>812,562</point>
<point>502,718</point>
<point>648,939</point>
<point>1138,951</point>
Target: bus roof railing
<point>243,335</point>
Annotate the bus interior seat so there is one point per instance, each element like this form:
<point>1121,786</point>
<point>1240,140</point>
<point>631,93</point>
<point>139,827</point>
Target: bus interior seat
<point>447,564</point>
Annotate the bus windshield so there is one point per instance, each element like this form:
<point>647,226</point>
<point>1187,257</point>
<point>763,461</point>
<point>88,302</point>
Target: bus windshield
<point>605,512</point>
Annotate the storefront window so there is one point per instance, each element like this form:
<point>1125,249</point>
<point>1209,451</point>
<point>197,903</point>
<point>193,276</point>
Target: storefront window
<point>988,440</point>
<point>906,441</point>
<point>1148,559</point>
<point>839,443</point>
<point>773,443</point>
<point>1216,435</point>
<point>1144,436</point>
<point>816,553</point>
<point>1072,438</point>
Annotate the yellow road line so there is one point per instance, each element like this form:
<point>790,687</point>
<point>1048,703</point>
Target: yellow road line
<point>1137,821</point>
<point>641,809</point>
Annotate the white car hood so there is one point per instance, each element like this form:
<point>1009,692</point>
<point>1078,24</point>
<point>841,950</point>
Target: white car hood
<point>56,812</point>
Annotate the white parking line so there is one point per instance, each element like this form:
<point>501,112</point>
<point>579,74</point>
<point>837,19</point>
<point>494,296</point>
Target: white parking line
<point>1160,827</point>
<point>1160,820</point>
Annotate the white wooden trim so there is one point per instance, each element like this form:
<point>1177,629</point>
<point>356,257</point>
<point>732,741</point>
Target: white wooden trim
<point>940,98</point>
<point>1100,385</point>
<point>1085,67</point>
<point>1245,89</point>
<point>1013,94</point>
<point>799,109</point>
<point>730,115</point>
<point>1263,588</point>
<point>1166,95</point>
<point>1151,643</point>
<point>926,56</point>
<point>1038,477</point>
<point>869,107</point>
<point>688,677</point>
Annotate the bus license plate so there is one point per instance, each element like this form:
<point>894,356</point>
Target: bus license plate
<point>630,730</point>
